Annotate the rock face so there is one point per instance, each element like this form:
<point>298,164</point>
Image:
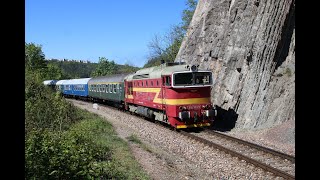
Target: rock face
<point>249,45</point>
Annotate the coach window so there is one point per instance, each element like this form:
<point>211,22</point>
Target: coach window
<point>114,88</point>
<point>146,83</point>
<point>151,83</point>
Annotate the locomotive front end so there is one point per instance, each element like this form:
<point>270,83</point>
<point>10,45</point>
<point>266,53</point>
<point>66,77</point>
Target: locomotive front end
<point>188,98</point>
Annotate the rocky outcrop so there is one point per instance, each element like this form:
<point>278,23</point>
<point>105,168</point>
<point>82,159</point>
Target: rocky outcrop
<point>250,47</point>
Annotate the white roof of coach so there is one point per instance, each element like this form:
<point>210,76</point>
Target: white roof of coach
<point>77,81</point>
<point>49,82</point>
<point>60,82</point>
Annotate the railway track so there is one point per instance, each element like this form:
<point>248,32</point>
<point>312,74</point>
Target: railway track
<point>280,164</point>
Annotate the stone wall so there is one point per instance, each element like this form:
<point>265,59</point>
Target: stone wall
<point>250,47</point>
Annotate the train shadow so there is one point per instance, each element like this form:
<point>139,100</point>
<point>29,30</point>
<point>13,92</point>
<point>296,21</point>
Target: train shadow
<point>225,120</point>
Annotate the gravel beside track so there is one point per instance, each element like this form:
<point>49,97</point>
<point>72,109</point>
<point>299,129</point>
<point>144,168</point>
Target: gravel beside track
<point>174,156</point>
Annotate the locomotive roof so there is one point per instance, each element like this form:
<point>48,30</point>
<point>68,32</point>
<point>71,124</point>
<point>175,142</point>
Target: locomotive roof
<point>158,71</point>
<point>109,78</point>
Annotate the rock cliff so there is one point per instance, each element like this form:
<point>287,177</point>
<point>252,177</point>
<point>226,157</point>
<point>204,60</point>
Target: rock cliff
<point>249,45</point>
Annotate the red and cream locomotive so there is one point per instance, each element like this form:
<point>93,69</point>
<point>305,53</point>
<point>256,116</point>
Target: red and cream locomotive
<point>174,93</point>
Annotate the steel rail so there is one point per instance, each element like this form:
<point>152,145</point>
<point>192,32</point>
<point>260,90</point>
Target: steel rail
<point>256,146</point>
<point>266,167</point>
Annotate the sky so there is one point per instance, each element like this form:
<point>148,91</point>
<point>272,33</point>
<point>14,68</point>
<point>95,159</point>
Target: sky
<point>118,30</point>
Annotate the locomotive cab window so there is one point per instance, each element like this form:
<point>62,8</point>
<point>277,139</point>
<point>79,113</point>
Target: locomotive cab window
<point>192,79</point>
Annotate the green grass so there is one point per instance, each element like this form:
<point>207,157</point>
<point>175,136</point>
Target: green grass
<point>89,149</point>
<point>288,72</point>
<point>133,138</point>
<point>123,162</point>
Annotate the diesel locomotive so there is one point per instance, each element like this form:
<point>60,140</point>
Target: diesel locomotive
<point>174,93</point>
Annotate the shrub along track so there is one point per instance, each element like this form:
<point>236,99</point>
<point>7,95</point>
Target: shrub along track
<point>241,153</point>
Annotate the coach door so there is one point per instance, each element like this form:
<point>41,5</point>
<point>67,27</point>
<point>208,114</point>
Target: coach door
<point>128,91</point>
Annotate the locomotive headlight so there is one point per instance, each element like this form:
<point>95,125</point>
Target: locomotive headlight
<point>211,113</point>
<point>180,107</point>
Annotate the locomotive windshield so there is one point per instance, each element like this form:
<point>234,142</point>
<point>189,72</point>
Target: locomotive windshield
<point>192,78</point>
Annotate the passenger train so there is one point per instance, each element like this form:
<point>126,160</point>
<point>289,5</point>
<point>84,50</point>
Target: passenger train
<point>173,93</point>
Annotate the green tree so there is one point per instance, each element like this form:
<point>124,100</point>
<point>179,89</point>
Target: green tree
<point>53,72</point>
<point>105,67</point>
<point>34,57</point>
<point>188,13</point>
<point>167,47</point>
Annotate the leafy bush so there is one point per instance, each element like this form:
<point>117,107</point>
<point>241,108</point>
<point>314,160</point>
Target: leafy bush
<point>72,154</point>
<point>46,109</point>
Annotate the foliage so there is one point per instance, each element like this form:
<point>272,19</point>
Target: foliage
<point>104,67</point>
<point>288,72</point>
<point>63,142</point>
<point>74,69</point>
<point>188,13</point>
<point>90,149</point>
<point>34,57</point>
<point>134,138</point>
<point>71,155</point>
<point>53,72</point>
<point>167,47</point>
<point>45,109</point>
<point>126,68</point>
